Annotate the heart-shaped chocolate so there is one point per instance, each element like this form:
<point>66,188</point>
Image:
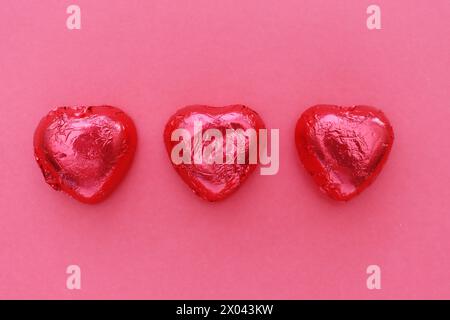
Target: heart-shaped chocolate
<point>343,148</point>
<point>85,151</point>
<point>216,176</point>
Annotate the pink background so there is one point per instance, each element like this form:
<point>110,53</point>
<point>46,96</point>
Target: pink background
<point>278,236</point>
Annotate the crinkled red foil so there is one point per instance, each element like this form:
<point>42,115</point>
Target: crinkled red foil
<point>215,181</point>
<point>85,151</point>
<point>343,148</point>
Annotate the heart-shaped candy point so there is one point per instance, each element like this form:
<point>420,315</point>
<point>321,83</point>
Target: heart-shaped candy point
<point>85,151</point>
<point>343,148</point>
<point>209,150</point>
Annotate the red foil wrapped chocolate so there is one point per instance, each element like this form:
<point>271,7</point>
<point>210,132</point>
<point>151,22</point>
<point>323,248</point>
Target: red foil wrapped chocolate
<point>343,148</point>
<point>212,181</point>
<point>85,151</point>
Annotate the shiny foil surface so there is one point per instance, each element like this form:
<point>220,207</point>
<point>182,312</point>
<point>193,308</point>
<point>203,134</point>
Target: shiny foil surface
<point>343,148</point>
<point>213,181</point>
<point>85,151</point>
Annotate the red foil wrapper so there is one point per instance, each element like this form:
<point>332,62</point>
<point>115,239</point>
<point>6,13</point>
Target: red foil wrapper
<point>343,148</point>
<point>85,151</point>
<point>213,181</point>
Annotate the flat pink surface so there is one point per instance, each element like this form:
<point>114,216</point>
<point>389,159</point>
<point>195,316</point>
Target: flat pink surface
<point>278,236</point>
